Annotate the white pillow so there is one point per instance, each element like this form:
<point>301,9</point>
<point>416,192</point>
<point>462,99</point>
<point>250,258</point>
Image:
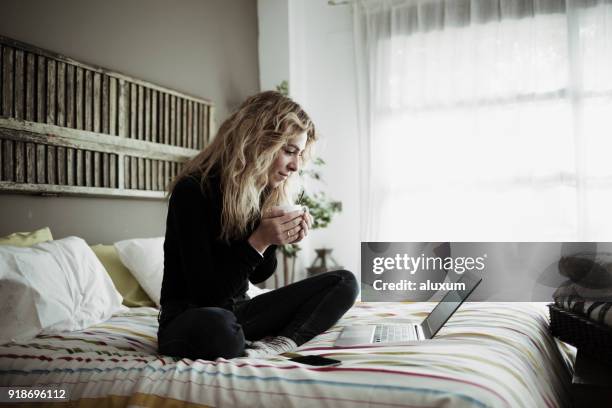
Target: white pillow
<point>51,287</point>
<point>144,257</point>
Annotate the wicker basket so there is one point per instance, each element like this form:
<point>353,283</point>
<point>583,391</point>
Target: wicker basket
<point>592,338</point>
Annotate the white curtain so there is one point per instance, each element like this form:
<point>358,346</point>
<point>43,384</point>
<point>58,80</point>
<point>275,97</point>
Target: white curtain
<point>485,120</point>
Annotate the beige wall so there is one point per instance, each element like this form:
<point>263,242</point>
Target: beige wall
<point>207,48</point>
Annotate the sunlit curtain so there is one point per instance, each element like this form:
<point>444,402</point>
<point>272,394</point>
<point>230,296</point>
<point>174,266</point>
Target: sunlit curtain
<point>485,119</point>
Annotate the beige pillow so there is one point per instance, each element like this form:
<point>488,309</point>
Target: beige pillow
<point>126,284</point>
<point>26,239</point>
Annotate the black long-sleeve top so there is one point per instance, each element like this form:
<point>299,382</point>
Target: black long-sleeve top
<point>199,268</point>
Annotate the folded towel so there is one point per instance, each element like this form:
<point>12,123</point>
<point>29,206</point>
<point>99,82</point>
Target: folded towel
<point>589,289</point>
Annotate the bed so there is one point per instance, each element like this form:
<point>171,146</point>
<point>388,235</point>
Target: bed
<point>487,355</point>
<point>71,128</point>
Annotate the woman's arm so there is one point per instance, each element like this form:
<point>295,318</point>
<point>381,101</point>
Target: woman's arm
<point>213,273</point>
<point>266,268</point>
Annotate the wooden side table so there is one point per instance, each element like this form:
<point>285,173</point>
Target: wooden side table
<point>592,382</point>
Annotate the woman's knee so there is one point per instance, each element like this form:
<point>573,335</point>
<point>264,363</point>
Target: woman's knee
<point>207,332</point>
<point>349,283</point>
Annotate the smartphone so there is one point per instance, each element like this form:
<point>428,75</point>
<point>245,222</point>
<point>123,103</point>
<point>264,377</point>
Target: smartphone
<point>316,361</point>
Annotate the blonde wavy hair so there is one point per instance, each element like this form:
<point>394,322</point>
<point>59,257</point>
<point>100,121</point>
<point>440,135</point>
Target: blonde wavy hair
<point>242,152</point>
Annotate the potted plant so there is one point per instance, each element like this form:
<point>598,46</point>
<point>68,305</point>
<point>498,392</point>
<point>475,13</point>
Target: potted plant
<point>321,207</point>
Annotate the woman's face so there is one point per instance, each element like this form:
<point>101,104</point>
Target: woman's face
<point>287,160</point>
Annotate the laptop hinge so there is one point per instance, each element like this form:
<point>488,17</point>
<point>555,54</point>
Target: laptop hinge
<point>419,332</point>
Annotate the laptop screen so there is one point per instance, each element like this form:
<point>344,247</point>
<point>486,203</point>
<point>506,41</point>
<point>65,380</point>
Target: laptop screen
<point>447,306</point>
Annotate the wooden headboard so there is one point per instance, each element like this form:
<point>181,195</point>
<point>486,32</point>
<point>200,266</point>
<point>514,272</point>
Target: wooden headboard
<point>70,128</point>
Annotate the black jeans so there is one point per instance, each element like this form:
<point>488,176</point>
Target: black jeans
<point>298,311</point>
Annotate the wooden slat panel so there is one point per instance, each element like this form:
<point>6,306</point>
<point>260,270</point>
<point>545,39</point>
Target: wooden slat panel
<point>188,131</point>
<point>41,167</point>
<point>160,117</point>
<point>30,163</point>
<point>112,171</point>
<point>7,160</point>
<point>97,102</point>
<point>61,165</point>
<point>196,121</point>
<point>61,94</point>
<point>51,165</point>
<point>51,94</point>
<point>19,162</point>
<point>88,100</point>
<point>105,170</point>
<point>185,134</point>
<point>147,164</point>
<point>166,174</point>
<point>204,136</point>
<point>179,122</point>
<point>97,169</point>
<point>201,132</point>
<point>79,100</point>
<point>133,111</point>
<point>123,113</point>
<point>44,89</point>
<point>184,126</point>
<point>133,173</point>
<point>88,168</point>
<point>173,120</point>
<point>127,180</point>
<point>19,84</point>
<point>112,107</point>
<point>166,119</point>
<point>120,171</point>
<point>70,94</point>
<point>70,166</point>
<point>41,90</point>
<point>141,174</point>
<point>80,167</point>
<point>105,101</point>
<point>154,116</point>
<point>160,175</point>
<point>194,129</point>
<point>1,98</point>
<point>196,125</point>
<point>7,81</point>
<point>210,123</point>
<point>207,135</point>
<point>141,108</point>
<point>30,87</point>
<point>147,114</point>
<point>154,175</point>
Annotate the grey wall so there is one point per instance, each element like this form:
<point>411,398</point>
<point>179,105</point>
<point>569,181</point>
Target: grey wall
<point>207,48</point>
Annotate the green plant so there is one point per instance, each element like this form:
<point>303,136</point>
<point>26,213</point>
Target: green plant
<point>319,205</point>
<point>283,88</point>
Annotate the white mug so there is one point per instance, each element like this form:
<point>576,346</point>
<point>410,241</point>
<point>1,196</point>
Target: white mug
<point>291,207</point>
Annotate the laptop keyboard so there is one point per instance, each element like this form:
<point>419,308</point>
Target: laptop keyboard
<point>389,333</point>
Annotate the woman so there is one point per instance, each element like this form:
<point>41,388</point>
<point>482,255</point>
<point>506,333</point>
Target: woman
<point>222,230</point>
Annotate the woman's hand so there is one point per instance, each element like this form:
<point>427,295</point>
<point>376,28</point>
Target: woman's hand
<point>278,228</point>
<point>306,223</point>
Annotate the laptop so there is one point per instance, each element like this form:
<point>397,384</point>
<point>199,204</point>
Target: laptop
<point>391,334</point>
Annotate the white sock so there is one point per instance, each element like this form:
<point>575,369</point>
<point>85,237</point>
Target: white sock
<point>270,346</point>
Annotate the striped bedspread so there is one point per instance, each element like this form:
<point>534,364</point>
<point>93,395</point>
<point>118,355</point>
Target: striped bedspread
<point>487,355</point>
